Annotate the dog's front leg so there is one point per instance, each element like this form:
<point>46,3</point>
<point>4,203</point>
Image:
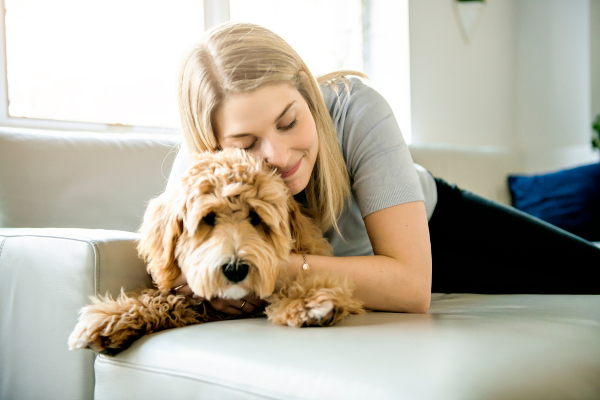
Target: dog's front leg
<point>313,299</point>
<point>111,325</point>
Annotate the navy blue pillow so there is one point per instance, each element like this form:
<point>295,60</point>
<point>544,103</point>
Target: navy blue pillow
<point>569,199</point>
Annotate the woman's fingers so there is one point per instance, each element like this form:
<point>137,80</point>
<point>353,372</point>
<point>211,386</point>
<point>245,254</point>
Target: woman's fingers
<point>180,286</point>
<point>185,290</point>
<point>181,279</point>
<point>247,306</point>
<point>226,306</point>
<point>257,302</point>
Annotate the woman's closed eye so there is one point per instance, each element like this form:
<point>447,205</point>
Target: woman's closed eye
<point>290,126</point>
<point>253,145</point>
<point>281,128</point>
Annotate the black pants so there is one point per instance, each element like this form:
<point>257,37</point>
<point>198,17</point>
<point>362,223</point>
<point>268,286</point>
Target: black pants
<point>480,246</point>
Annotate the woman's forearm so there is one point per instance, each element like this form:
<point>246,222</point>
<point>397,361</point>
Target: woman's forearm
<point>382,282</point>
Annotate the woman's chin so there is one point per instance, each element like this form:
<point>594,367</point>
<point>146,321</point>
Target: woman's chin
<point>295,186</point>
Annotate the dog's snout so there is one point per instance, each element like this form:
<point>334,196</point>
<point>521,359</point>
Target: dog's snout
<point>235,272</point>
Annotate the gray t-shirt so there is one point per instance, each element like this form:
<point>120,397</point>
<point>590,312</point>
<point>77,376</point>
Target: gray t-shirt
<point>382,173</point>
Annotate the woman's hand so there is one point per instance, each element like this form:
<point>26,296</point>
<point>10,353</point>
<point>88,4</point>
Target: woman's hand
<point>248,305</point>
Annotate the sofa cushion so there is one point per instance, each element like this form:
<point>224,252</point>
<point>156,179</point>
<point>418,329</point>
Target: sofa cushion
<point>569,199</point>
<point>467,347</point>
<point>80,179</point>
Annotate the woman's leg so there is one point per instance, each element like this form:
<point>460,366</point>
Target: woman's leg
<point>480,246</point>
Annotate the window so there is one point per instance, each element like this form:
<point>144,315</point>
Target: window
<point>107,62</point>
<point>111,64</point>
<point>365,35</point>
<point>332,40</point>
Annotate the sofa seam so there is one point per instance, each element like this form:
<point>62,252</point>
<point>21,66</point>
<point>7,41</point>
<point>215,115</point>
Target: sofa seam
<point>2,245</point>
<point>247,389</point>
<point>94,246</point>
<point>48,236</point>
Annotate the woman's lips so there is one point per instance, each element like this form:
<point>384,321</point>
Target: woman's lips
<point>291,171</point>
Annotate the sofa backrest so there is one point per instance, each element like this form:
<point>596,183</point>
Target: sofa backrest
<point>81,179</point>
<point>480,169</point>
<point>105,180</point>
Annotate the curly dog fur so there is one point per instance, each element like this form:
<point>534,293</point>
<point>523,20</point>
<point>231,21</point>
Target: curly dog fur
<point>229,225</point>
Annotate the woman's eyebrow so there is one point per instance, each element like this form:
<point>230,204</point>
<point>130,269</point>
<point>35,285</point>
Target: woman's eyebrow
<point>284,111</point>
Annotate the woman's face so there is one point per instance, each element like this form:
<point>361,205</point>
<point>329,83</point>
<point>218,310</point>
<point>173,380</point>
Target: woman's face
<point>274,123</point>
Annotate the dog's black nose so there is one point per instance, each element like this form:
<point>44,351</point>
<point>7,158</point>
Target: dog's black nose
<point>235,272</point>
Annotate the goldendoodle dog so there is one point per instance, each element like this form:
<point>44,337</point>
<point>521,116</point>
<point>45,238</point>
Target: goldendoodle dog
<point>229,225</point>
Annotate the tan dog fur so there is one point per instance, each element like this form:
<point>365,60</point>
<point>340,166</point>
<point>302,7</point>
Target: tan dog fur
<point>204,223</point>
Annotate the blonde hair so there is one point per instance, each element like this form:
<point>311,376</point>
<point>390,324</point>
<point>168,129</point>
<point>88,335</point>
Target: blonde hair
<point>241,57</point>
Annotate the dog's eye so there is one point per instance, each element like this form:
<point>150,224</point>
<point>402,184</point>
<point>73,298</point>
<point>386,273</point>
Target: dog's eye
<point>209,219</point>
<point>254,218</point>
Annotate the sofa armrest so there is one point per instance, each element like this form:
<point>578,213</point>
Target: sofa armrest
<point>46,276</point>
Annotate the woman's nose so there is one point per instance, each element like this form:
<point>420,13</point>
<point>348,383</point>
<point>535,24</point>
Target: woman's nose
<point>276,153</point>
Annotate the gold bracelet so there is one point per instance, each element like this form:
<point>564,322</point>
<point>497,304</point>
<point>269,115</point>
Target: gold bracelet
<point>305,266</point>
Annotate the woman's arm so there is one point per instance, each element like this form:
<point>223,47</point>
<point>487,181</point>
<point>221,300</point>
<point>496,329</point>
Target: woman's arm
<point>389,195</point>
<point>398,277</point>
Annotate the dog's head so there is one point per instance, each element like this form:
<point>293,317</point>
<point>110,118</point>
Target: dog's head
<point>226,225</point>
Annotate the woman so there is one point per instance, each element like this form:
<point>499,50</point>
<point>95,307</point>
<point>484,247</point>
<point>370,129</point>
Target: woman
<point>339,149</point>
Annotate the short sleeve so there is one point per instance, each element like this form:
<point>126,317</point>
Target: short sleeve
<point>381,168</point>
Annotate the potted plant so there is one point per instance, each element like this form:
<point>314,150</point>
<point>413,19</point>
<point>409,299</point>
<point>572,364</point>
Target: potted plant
<point>596,133</point>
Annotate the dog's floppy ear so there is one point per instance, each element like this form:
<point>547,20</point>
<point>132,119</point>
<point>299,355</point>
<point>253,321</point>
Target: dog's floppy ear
<point>160,231</point>
<point>307,237</point>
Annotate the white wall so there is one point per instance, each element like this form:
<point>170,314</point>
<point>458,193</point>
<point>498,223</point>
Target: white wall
<point>463,94</point>
<point>554,86</point>
<point>523,82</point>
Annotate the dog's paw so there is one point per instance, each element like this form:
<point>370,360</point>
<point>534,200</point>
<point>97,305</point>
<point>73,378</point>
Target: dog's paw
<point>111,325</point>
<point>100,333</point>
<point>297,313</point>
<point>82,339</point>
<point>317,309</point>
<point>313,300</point>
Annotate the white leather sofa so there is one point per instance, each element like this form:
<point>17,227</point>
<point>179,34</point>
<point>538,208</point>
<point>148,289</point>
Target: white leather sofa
<point>69,203</point>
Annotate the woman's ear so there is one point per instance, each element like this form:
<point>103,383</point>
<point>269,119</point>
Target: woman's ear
<point>160,230</point>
